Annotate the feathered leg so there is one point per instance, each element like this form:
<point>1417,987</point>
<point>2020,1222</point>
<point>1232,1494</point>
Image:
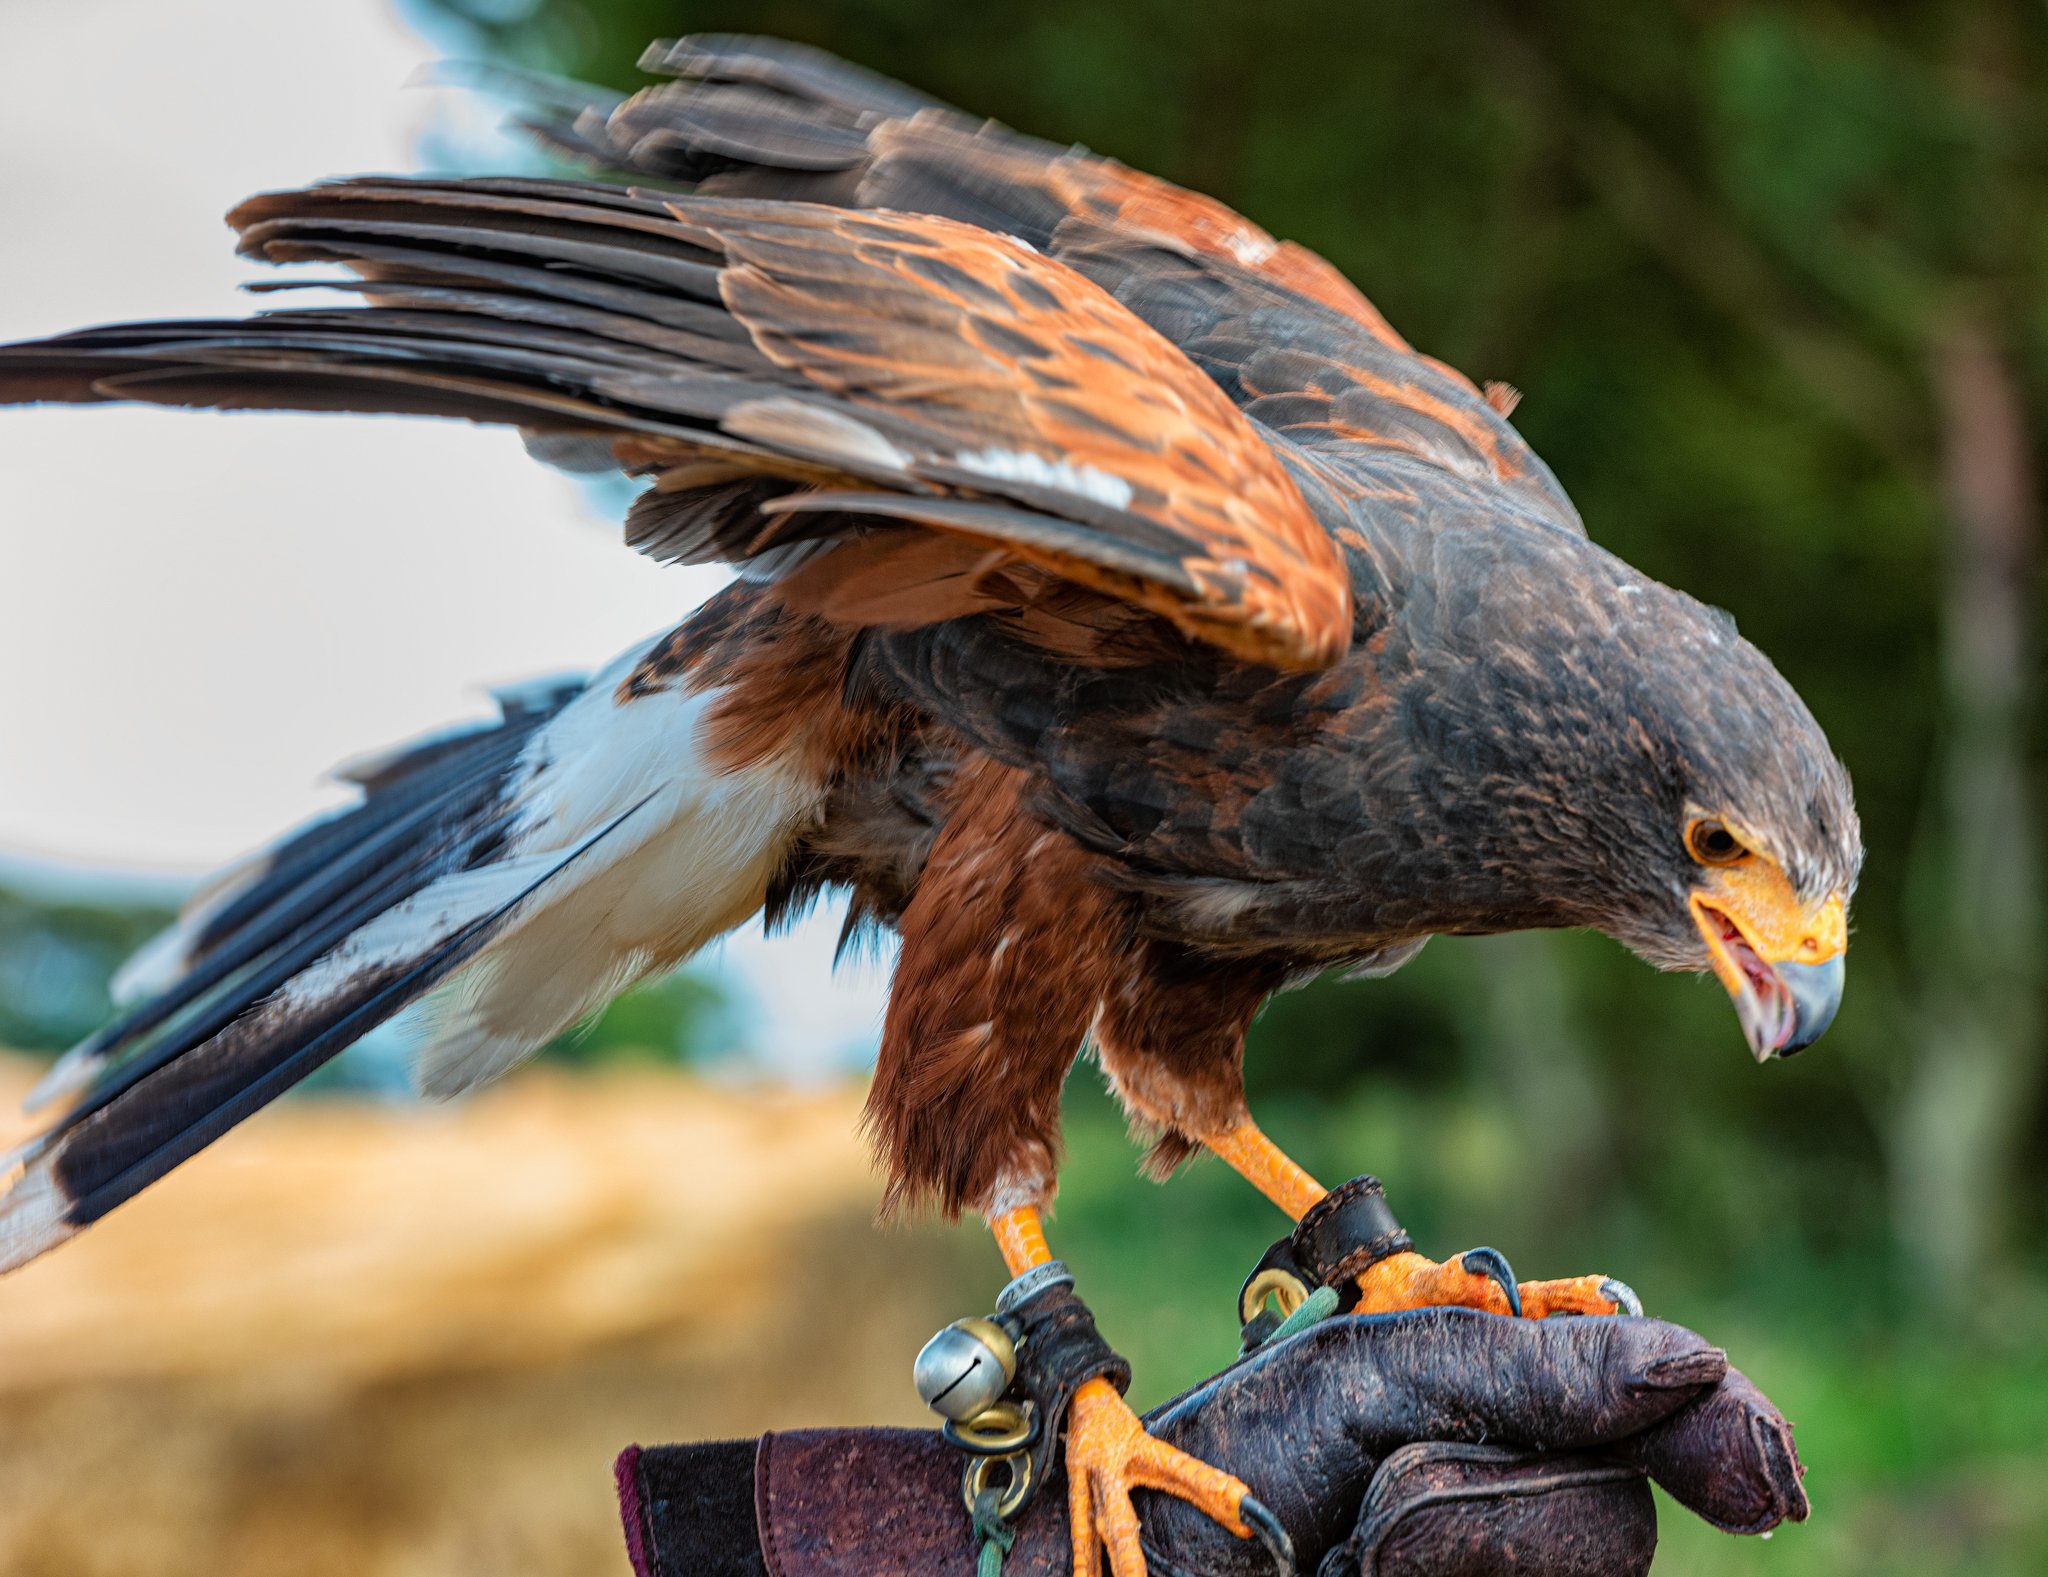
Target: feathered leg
<point>1007,945</point>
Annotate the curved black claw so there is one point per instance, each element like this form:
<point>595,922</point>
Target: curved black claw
<point>1267,1530</point>
<point>1622,1293</point>
<point>1266,1533</point>
<point>1493,1264</point>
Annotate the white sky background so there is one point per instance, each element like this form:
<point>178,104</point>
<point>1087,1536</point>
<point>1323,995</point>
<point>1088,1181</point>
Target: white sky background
<point>200,614</point>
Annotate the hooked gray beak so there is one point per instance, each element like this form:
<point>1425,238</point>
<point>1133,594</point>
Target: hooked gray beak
<point>1784,1005</point>
<point>1816,992</point>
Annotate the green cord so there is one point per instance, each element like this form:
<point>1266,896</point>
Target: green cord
<point>996,1535</point>
<point>1315,1308</point>
<point>991,1563</point>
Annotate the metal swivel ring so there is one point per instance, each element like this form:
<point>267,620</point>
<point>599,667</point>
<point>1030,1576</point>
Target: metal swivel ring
<point>976,1479</point>
<point>997,1431</point>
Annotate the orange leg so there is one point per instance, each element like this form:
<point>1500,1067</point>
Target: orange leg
<point>1408,1281</point>
<point>1108,1452</point>
<point>1021,1237</point>
<point>1268,1168</point>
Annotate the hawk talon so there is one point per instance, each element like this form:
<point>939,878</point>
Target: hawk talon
<point>1267,1530</point>
<point>1622,1293</point>
<point>1493,1264</point>
<point>1480,1279</point>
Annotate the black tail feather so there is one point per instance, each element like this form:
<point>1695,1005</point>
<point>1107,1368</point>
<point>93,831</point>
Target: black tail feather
<point>434,809</point>
<point>123,1148</point>
<point>157,1119</point>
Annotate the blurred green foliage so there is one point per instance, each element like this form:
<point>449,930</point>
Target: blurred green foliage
<point>681,1017</point>
<point>1771,277</point>
<point>56,957</point>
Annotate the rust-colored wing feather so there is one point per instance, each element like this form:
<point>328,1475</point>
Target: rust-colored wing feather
<point>1006,373</point>
<point>794,377</point>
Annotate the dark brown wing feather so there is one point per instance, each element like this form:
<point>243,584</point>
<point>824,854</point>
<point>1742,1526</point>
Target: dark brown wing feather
<point>870,368</point>
<point>1284,332</point>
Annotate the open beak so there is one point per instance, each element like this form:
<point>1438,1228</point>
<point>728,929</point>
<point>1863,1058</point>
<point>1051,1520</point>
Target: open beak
<point>1786,1002</point>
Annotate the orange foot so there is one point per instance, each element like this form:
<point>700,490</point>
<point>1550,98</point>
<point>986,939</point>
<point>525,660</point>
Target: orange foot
<point>1109,1455</point>
<point>1480,1279</point>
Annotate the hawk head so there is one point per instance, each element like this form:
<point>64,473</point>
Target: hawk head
<point>1733,844</point>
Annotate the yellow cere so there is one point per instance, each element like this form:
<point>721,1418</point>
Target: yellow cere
<point>1759,901</point>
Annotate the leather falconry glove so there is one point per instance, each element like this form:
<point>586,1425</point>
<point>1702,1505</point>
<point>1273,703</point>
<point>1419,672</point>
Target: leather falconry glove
<point>1438,1443</point>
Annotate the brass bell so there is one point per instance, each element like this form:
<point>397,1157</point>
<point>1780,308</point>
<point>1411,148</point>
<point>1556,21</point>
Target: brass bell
<point>965,1369</point>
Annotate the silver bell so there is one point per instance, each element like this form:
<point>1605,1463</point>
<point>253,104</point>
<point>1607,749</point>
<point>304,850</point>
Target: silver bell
<point>965,1369</point>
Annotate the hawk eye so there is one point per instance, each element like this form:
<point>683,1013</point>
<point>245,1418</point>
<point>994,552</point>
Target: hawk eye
<point>1713,844</point>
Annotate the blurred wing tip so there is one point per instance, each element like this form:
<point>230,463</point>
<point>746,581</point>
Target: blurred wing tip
<point>153,967</point>
<point>34,1215</point>
<point>64,1078</point>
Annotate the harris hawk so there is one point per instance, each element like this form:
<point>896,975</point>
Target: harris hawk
<point>1126,616</point>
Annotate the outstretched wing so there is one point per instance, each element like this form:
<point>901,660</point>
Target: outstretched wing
<point>794,378</point>
<point>1283,332</point>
